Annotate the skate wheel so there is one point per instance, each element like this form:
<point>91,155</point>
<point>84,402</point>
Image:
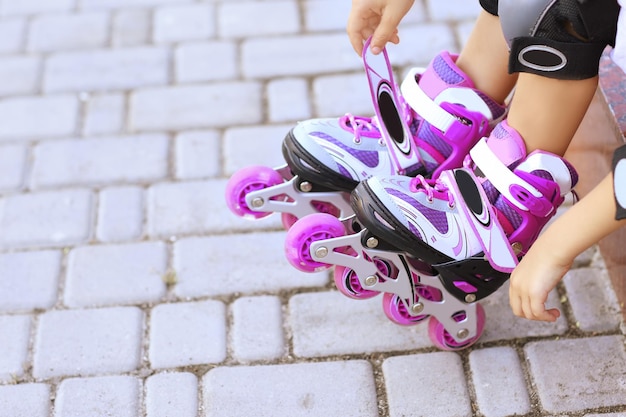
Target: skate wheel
<point>244,182</point>
<point>348,284</point>
<point>303,233</point>
<point>396,311</point>
<point>444,340</point>
<point>289,219</point>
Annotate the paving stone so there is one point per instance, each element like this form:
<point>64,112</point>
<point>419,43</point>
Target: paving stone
<point>257,331</point>
<point>53,218</point>
<point>88,342</point>
<point>196,61</point>
<point>115,274</point>
<point>196,156</point>
<point>115,4</point>
<point>100,161</point>
<point>13,163</point>
<point>184,22</point>
<point>40,117</point>
<point>288,100</point>
<point>15,334</point>
<point>55,32</point>
<point>264,57</point>
<point>328,323</point>
<point>29,280</point>
<point>23,7</point>
<point>189,107</point>
<point>172,394</point>
<point>593,301</point>
<point>183,334</point>
<point>25,400</point>
<point>499,382</point>
<point>253,19</point>
<point>255,145</point>
<point>12,32</point>
<point>415,384</point>
<point>306,389</point>
<point>120,214</point>
<point>256,264</point>
<point>19,74</point>
<point>598,378</point>
<point>131,27</point>
<point>607,415</point>
<point>421,43</point>
<point>502,324</point>
<point>104,114</point>
<point>106,69</point>
<point>336,95</point>
<point>185,208</point>
<point>99,397</point>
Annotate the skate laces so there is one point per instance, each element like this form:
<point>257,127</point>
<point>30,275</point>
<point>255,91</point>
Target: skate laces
<point>433,188</point>
<point>360,125</point>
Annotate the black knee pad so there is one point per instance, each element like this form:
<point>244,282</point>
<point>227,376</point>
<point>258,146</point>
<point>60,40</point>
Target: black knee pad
<point>619,182</point>
<point>561,39</point>
<point>490,6</point>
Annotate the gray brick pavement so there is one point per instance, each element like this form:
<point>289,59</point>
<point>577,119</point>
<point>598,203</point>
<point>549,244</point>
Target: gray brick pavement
<point>127,289</point>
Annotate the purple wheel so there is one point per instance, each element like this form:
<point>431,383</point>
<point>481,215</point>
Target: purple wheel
<point>396,311</point>
<point>289,219</point>
<point>348,284</point>
<point>444,340</point>
<point>246,180</point>
<point>303,233</point>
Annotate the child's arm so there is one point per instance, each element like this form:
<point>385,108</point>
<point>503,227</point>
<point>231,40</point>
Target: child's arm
<point>379,18</point>
<point>551,256</point>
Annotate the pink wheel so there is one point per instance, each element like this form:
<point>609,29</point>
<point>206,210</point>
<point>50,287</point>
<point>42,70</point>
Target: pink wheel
<point>289,219</point>
<point>303,233</point>
<point>245,181</point>
<point>396,311</point>
<point>444,340</point>
<point>348,284</point>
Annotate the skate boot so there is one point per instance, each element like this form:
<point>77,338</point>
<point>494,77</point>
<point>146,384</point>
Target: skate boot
<point>468,228</point>
<point>426,127</point>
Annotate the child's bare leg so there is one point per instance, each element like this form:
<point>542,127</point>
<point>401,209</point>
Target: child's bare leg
<point>546,111</point>
<point>485,58</point>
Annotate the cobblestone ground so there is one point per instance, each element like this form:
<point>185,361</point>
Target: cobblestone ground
<point>128,289</point>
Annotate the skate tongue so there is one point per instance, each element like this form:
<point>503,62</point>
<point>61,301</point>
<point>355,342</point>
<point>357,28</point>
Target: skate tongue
<point>507,144</point>
<point>442,73</point>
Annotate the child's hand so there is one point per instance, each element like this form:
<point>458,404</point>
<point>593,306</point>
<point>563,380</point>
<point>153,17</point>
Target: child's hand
<point>379,18</point>
<point>531,282</point>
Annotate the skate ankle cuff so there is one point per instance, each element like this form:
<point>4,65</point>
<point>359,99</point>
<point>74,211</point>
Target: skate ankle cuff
<point>454,123</point>
<point>519,192</point>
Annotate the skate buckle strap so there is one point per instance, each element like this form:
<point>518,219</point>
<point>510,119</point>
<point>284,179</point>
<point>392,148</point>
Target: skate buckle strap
<point>454,127</point>
<point>519,192</point>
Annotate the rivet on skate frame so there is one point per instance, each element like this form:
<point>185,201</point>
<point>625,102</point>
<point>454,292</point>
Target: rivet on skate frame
<point>462,334</point>
<point>371,280</point>
<point>306,186</point>
<point>470,298</point>
<point>372,242</point>
<point>417,308</point>
<point>321,252</point>
<point>258,202</point>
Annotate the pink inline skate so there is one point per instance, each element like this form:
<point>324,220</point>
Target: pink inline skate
<point>435,247</point>
<point>423,129</point>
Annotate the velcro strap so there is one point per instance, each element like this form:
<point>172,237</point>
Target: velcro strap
<point>561,60</point>
<point>424,105</point>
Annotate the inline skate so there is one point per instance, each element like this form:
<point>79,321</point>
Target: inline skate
<point>435,247</point>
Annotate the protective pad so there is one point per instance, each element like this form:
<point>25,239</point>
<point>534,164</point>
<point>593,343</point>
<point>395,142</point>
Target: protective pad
<point>560,39</point>
<point>619,181</point>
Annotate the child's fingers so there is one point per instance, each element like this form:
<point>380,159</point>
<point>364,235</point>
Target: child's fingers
<point>386,31</point>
